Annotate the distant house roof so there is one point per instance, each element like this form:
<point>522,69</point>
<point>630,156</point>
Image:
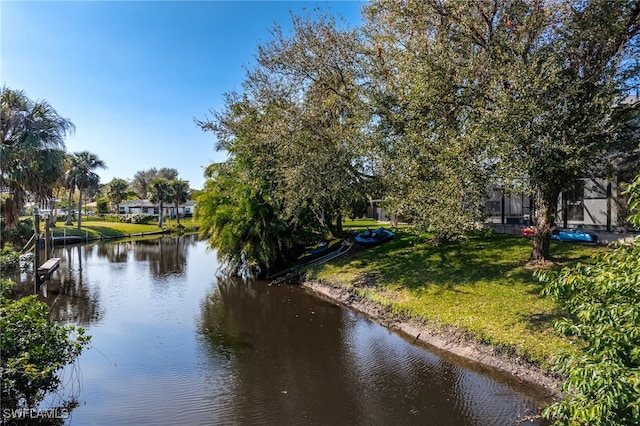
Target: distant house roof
<point>137,203</point>
<point>147,203</point>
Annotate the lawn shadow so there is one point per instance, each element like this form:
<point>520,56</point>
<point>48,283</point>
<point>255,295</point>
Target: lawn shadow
<point>486,258</point>
<point>411,262</point>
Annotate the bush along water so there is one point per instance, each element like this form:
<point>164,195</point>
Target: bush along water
<point>34,351</point>
<point>602,300</point>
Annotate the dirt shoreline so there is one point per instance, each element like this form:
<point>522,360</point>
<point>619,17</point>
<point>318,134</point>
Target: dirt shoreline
<point>451,342</point>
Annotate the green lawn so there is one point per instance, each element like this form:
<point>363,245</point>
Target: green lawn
<point>361,224</point>
<point>481,286</point>
<point>96,228</point>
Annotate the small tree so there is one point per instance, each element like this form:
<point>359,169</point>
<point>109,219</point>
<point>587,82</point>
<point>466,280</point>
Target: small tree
<point>160,193</point>
<point>117,192</point>
<point>82,174</point>
<point>603,303</point>
<point>179,194</point>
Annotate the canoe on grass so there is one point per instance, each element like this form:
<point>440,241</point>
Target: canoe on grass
<point>370,238</point>
<point>320,249</point>
<point>573,236</point>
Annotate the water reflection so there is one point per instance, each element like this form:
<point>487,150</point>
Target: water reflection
<point>173,344</point>
<point>298,359</point>
<point>165,256</point>
<point>68,292</point>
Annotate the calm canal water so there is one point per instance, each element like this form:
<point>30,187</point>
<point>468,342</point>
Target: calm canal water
<point>176,343</point>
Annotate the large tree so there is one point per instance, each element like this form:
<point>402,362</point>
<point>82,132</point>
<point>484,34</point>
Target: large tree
<point>314,75</point>
<point>82,174</point>
<point>143,178</point>
<point>32,150</point>
<point>426,98</point>
<point>297,132</point>
<point>303,108</point>
<point>509,93</point>
<point>557,115</point>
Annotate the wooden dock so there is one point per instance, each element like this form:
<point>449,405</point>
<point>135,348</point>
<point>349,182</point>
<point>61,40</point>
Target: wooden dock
<point>45,270</point>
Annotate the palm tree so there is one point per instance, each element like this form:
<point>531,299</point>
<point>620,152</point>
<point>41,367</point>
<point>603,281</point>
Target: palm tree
<point>82,174</point>
<point>179,193</point>
<point>117,192</point>
<point>31,151</point>
<point>160,193</point>
<point>70,184</point>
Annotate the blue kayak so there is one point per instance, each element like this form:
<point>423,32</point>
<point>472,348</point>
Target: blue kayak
<point>374,237</point>
<point>573,236</point>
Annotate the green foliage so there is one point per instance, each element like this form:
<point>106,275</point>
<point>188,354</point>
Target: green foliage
<point>82,175</point>
<point>143,178</point>
<point>160,192</point>
<point>31,150</point>
<point>33,350</point>
<point>238,218</point>
<point>295,141</point>
<point>19,234</point>
<point>117,192</point>
<point>512,94</point>
<point>102,205</point>
<point>603,303</point>
<point>9,261</point>
<point>179,194</point>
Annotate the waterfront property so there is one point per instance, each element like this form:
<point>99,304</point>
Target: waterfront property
<point>147,207</point>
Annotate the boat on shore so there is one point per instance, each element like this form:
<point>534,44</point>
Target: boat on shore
<point>564,235</point>
<point>370,238</point>
<point>320,249</point>
<point>573,236</point>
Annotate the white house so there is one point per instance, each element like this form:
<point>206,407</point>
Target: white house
<point>147,207</point>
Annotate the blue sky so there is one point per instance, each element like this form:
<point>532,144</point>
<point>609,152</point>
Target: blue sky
<point>132,75</point>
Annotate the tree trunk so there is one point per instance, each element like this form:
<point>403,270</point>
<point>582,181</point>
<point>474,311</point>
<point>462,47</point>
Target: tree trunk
<point>69,206</point>
<point>79,209</point>
<point>160,216</point>
<point>178,213</point>
<point>547,206</point>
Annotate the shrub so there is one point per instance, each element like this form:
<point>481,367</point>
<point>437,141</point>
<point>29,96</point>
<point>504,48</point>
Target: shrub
<point>603,305</point>
<point>9,261</point>
<point>18,235</point>
<point>139,218</point>
<point>34,349</point>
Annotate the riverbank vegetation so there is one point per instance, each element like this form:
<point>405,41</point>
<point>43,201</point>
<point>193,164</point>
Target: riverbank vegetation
<point>481,287</point>
<point>34,350</point>
<point>601,300</point>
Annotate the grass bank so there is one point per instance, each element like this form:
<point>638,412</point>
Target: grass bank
<point>481,287</point>
<point>97,228</point>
